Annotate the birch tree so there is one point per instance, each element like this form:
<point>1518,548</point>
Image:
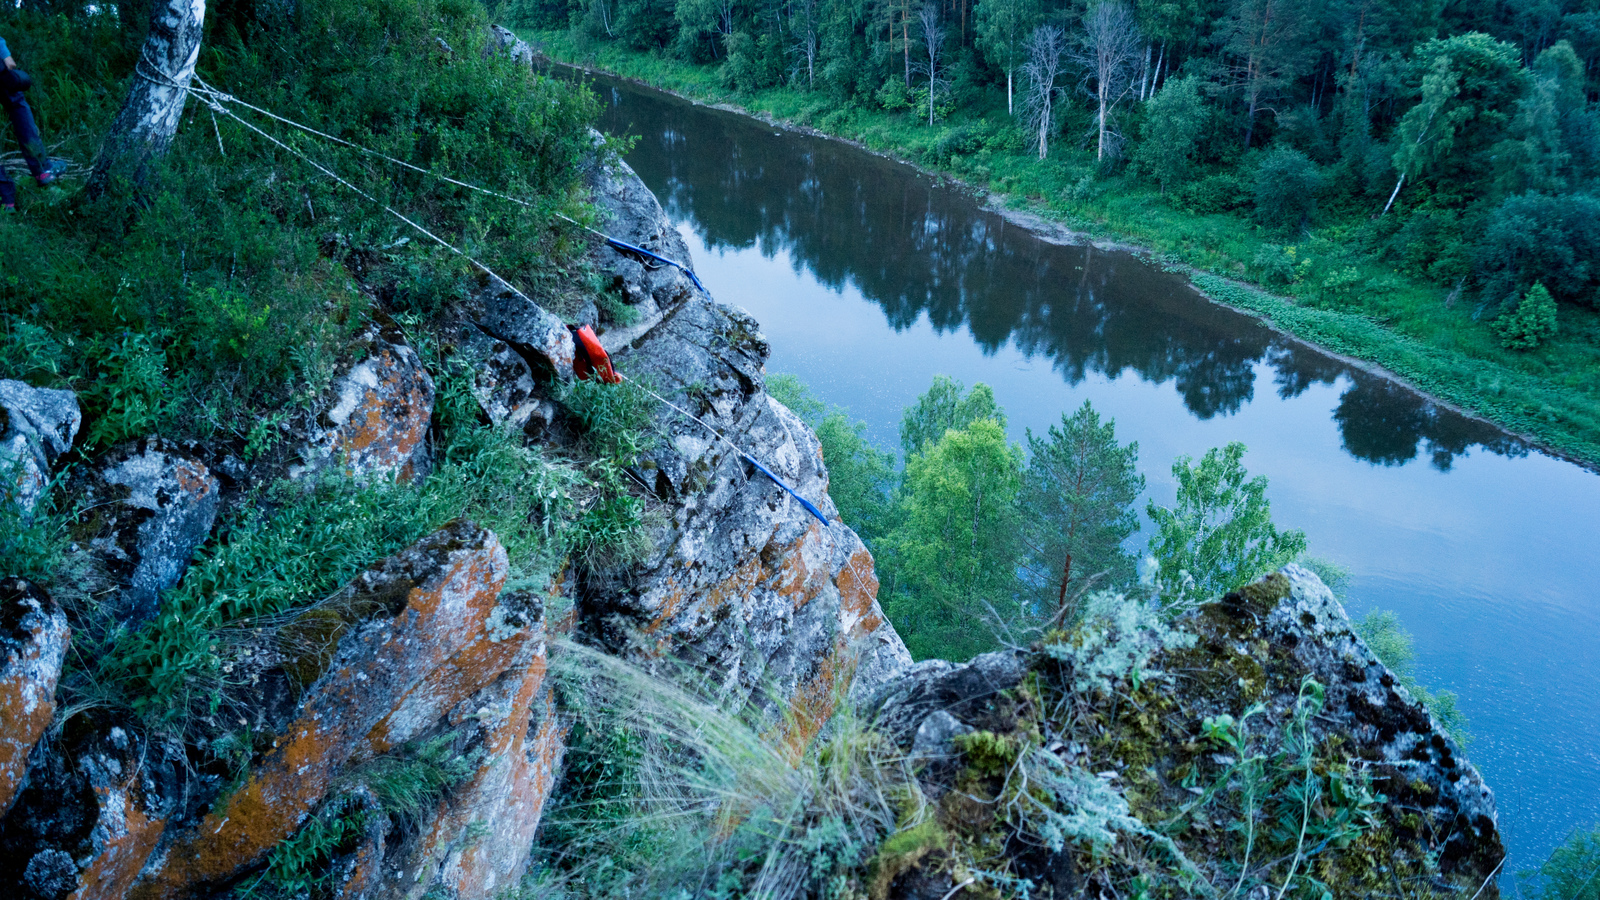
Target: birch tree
<point>1109,51</point>
<point>1045,48</point>
<point>805,26</point>
<point>933,46</point>
<point>1003,27</point>
<point>143,130</point>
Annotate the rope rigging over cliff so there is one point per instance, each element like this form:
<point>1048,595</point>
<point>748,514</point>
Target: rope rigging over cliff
<point>218,102</point>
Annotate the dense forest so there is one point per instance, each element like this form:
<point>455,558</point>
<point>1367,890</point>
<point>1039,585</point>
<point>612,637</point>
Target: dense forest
<point>1427,167</point>
<point>1472,124</point>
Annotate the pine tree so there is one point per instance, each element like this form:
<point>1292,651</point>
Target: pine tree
<point>1077,505</point>
<point>1531,323</point>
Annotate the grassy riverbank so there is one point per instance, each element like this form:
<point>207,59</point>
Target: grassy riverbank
<point>1318,285</point>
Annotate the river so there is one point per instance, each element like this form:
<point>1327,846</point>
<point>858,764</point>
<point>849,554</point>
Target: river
<point>869,278</point>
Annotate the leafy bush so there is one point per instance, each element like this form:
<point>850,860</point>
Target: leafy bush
<point>1220,531</point>
<point>1284,187</point>
<point>1221,192</point>
<point>1531,323</point>
<point>1534,238</point>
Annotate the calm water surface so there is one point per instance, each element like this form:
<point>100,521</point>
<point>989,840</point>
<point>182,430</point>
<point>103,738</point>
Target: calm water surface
<point>870,278</point>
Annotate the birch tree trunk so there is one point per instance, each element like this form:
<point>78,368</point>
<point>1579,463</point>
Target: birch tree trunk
<point>143,130</point>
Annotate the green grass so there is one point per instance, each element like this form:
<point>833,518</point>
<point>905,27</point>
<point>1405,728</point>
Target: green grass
<point>1322,287</point>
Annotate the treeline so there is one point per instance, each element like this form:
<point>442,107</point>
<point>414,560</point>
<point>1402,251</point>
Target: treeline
<point>981,541</point>
<point>1460,140</point>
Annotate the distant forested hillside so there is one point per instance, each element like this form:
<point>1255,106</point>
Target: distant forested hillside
<point>1473,122</point>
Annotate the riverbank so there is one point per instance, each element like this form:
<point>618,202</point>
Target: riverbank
<point>1318,289</point>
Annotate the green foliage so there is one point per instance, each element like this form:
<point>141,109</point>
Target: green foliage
<point>618,420</point>
<point>1173,121</point>
<point>1571,873</point>
<point>210,300</point>
<point>945,405</point>
<point>1077,508</point>
<point>299,542</point>
<point>401,786</point>
<point>300,866</point>
<point>1535,239</point>
<point>131,398</point>
<point>1220,531</point>
<point>1468,85</point>
<point>955,546</point>
<point>1285,189</point>
<point>1389,640</point>
<point>1532,322</point>
<point>33,546</point>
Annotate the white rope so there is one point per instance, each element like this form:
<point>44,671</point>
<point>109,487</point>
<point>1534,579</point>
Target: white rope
<point>221,96</point>
<point>218,107</point>
<point>215,100</point>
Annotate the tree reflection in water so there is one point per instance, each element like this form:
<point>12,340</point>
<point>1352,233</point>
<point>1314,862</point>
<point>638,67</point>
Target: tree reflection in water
<point>916,247</point>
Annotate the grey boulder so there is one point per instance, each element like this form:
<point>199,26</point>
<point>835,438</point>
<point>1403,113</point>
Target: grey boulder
<point>149,506</point>
<point>36,426</point>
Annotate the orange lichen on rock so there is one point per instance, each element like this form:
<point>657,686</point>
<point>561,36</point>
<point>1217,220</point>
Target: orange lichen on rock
<point>33,642</point>
<point>858,595</point>
<point>814,703</point>
<point>397,673</point>
<point>124,834</point>
<point>475,844</point>
<point>380,414</point>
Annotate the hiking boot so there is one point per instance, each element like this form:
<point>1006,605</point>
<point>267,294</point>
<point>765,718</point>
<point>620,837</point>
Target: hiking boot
<point>52,169</point>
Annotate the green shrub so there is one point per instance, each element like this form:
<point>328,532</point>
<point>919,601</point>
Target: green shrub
<point>1531,323</point>
<point>1571,873</point>
<point>1221,192</point>
<point>1284,187</point>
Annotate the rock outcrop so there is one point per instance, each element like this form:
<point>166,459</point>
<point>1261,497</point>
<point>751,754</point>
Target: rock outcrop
<point>744,580</point>
<point>149,506</point>
<point>33,643</point>
<point>419,646</point>
<point>36,426</point>
<point>1224,704</point>
<point>377,423</point>
<point>630,213</point>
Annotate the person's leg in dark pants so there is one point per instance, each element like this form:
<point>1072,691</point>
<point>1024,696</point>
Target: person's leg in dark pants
<point>27,132</point>
<point>8,188</point>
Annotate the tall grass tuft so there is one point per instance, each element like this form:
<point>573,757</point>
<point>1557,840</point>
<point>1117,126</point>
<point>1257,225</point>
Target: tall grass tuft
<point>669,795</point>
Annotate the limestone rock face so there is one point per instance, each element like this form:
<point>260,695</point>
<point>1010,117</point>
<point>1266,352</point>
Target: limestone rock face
<point>1422,762</point>
<point>33,642</point>
<point>36,426</point>
<point>421,645</point>
<point>150,507</point>
<point>744,579</point>
<point>537,335</point>
<point>377,425</point>
<point>632,214</point>
<point>504,387</point>
<point>502,40</point>
<point>90,815</point>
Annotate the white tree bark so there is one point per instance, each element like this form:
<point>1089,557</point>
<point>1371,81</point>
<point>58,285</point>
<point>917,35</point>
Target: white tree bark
<point>1045,47</point>
<point>143,130</point>
<point>933,42</point>
<point>1109,51</point>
